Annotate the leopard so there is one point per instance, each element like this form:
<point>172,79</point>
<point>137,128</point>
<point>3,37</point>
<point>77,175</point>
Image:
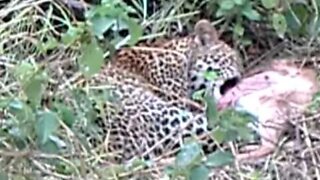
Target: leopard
<point>179,64</point>
<point>140,123</point>
<point>153,84</point>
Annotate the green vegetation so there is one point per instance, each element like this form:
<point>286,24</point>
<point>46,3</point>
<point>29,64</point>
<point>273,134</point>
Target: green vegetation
<point>44,49</point>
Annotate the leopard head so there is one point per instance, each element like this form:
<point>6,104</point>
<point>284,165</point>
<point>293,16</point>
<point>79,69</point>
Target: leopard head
<point>214,65</point>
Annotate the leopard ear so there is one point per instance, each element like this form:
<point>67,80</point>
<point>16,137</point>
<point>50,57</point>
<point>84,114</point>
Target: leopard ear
<point>206,34</point>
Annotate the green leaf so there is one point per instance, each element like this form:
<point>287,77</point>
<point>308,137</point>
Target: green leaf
<point>170,170</point>
<point>33,81</point>
<point>219,134</point>
<point>24,71</point>
<point>238,29</point>
<point>221,12</point>
<point>256,175</point>
<point>189,154</point>
<point>35,87</point>
<point>20,140</point>
<point>198,95</point>
<point>49,147</point>
<point>57,141</point>
<point>233,125</point>
<point>315,105</point>
<point>279,24</point>
<point>239,2</point>
<point>135,31</point>
<point>245,133</point>
<point>296,17</point>
<point>16,104</point>
<point>211,110</point>
<point>200,172</point>
<point>66,114</point>
<point>91,59</point>
<point>314,26</point>
<point>4,102</point>
<point>227,4</point>
<point>231,135</point>
<point>20,136</point>
<point>22,112</point>
<point>101,24</point>
<point>250,13</point>
<point>232,116</point>
<point>316,97</point>
<point>3,176</point>
<point>268,4</point>
<point>64,168</point>
<point>46,125</point>
<point>210,75</point>
<point>219,158</point>
<point>111,9</point>
<point>51,43</point>
<point>245,41</point>
<point>73,34</point>
<point>223,135</point>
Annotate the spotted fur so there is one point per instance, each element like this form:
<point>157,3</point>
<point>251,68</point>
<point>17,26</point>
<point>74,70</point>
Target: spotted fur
<point>142,124</point>
<point>178,65</point>
<point>147,122</point>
